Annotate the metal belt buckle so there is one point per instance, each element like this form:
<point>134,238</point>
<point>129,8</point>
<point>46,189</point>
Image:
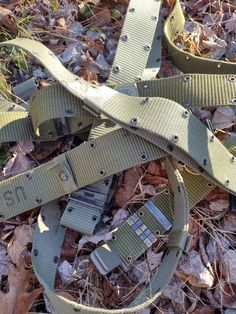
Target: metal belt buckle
<point>86,206</point>
<point>141,229</point>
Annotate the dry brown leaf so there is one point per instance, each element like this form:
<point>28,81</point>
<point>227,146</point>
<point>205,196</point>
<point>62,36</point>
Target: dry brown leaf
<point>6,17</point>
<point>102,16</point>
<point>201,309</point>
<point>231,24</point>
<point>17,300</point>
<point>192,269</point>
<point>18,163</point>
<point>22,236</point>
<point>155,180</point>
<point>126,190</point>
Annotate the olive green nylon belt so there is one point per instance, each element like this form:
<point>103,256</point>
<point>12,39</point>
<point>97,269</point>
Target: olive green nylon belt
<point>139,41</point>
<point>49,229</point>
<point>188,139</point>
<point>54,102</point>
<point>183,60</point>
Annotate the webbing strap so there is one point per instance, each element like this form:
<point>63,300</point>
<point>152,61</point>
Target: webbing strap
<point>48,229</point>
<point>140,118</point>
<point>54,102</point>
<point>187,139</point>
<point>185,61</point>
<point>139,38</point>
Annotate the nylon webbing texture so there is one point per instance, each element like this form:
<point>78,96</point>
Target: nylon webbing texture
<point>188,140</point>
<point>191,140</point>
<point>48,229</point>
<point>54,102</point>
<point>185,61</point>
<point>140,40</point>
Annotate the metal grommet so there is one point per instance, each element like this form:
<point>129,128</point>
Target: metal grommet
<point>212,138</point>
<point>187,103</point>
<point>233,100</point>
<point>170,147</point>
<point>138,78</point>
<point>28,175</point>
<point>116,69</point>
<point>114,237</point>
<point>69,209</point>
<point>38,200</point>
<point>232,158</point>
<point>75,309</point>
<point>140,213</point>
<point>218,65</point>
<point>134,121</point>
<point>55,259</point>
<point>143,156</point>
<point>147,47</point>
<point>185,114</point>
<point>226,181</point>
<point>132,10</point>
<point>209,184</point>
<point>95,218</point>
<point>69,111</point>
<point>166,191</point>
<point>102,172</point>
<point>50,133</point>
<point>93,145</point>
<point>2,217</point>
<point>186,57</point>
<point>187,78</point>
<point>63,176</point>
<point>146,100</point>
<point>204,162</point>
<point>28,115</point>
<point>145,86</point>
<point>35,252</point>
<point>154,18</point>
<point>232,79</point>
<point>157,232</point>
<point>175,137</point>
<point>129,258</point>
<point>124,37</point>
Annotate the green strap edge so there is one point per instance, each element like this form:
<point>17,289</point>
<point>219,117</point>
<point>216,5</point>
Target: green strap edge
<point>183,60</point>
<point>139,42</point>
<point>168,265</point>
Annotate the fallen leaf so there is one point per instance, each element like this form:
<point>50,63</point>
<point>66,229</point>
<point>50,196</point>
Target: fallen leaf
<point>126,189</point>
<point>153,259</point>
<point>229,259</point>
<point>103,234</point>
<point>175,293</point>
<point>120,216</point>
<point>231,24</point>
<point>223,117</point>
<point>192,269</point>
<point>6,18</point>
<point>17,300</point>
<point>219,206</point>
<point>102,16</point>
<point>22,236</point>
<point>226,294</point>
